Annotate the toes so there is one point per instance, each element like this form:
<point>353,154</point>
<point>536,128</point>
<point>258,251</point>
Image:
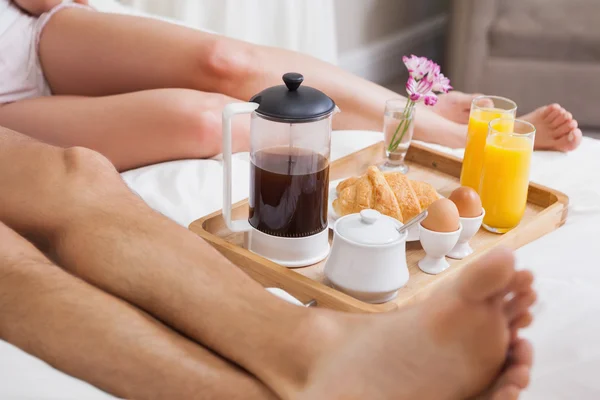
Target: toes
<point>560,119</point>
<point>563,129</point>
<point>522,321</point>
<point>567,127</point>
<point>488,276</point>
<point>556,117</point>
<point>521,282</point>
<point>519,305</point>
<point>483,101</point>
<point>554,111</point>
<point>521,353</point>
<point>551,109</point>
<point>568,142</point>
<point>506,393</point>
<point>515,376</point>
<point>575,138</point>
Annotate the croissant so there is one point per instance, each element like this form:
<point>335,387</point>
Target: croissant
<point>390,193</point>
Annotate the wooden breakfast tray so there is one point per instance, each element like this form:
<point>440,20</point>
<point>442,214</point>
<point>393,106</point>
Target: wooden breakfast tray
<point>546,211</point>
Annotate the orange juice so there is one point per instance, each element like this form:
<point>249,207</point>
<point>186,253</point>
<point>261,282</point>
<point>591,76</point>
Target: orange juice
<point>476,137</point>
<point>505,180</point>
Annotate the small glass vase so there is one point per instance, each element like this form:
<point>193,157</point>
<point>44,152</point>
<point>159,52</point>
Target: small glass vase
<point>398,127</point>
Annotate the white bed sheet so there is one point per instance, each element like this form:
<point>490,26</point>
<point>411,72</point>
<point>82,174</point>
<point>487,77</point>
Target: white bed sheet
<point>567,328</point>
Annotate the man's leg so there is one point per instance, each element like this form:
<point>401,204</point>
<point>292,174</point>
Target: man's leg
<point>103,340</point>
<point>132,129</point>
<point>69,188</point>
<point>94,54</point>
<point>101,232</point>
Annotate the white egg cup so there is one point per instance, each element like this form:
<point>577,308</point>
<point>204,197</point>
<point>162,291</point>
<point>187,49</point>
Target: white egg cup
<point>436,246</point>
<point>470,228</point>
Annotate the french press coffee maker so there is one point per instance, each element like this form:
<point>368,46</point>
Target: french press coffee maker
<point>290,140</point>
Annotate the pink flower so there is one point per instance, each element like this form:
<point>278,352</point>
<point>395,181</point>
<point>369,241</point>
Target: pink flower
<point>417,90</point>
<point>434,72</point>
<point>418,67</point>
<point>441,84</point>
<point>425,80</point>
<point>431,99</point>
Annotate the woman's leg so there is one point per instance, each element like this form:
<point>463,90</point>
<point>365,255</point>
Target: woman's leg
<point>133,129</point>
<point>101,339</point>
<point>90,53</point>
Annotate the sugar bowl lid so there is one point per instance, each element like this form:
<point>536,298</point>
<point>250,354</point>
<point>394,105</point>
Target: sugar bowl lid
<point>369,227</point>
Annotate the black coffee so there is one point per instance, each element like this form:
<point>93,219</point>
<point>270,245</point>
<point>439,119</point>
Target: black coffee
<point>288,192</point>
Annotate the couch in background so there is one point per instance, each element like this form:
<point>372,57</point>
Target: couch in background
<point>532,51</point>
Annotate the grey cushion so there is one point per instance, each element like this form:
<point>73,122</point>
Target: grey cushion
<point>547,29</point>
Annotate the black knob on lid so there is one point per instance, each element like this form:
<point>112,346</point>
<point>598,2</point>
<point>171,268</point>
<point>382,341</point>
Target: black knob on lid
<point>293,80</point>
<point>292,102</point>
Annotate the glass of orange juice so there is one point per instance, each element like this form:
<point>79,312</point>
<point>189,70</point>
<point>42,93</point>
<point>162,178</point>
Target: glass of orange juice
<point>505,174</point>
<point>483,110</point>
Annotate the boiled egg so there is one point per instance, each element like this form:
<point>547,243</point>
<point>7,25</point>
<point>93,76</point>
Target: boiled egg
<point>442,216</point>
<point>467,201</point>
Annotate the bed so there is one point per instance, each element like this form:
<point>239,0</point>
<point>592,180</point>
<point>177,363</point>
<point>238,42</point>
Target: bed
<point>566,264</point>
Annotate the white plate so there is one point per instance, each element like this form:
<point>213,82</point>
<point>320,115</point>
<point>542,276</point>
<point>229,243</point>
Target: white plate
<point>413,232</point>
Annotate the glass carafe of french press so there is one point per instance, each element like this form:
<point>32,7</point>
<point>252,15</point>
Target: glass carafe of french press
<point>290,139</point>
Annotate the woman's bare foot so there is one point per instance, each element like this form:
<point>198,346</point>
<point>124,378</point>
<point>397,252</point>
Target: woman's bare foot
<point>555,126</point>
<point>455,106</point>
<point>453,345</point>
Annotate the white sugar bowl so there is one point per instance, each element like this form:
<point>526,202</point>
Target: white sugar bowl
<point>368,257</point>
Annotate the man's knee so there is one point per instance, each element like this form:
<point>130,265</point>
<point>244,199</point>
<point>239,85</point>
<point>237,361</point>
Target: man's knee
<point>48,188</point>
<point>89,177</point>
<point>81,163</point>
<point>81,160</point>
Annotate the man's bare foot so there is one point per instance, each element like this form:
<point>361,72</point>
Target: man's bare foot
<point>453,345</point>
<point>515,377</point>
<point>555,128</point>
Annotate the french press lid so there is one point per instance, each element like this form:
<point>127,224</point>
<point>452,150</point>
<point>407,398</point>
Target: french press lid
<point>292,103</point>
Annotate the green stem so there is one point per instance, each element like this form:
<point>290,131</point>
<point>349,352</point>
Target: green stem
<point>395,142</point>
